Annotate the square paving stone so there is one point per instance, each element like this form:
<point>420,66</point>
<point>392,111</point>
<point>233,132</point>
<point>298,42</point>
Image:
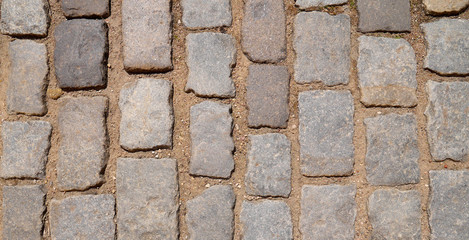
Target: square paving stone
<point>83,217</point>
<point>80,54</point>
<point>25,149</point>
<point>322,46</point>
<point>147,199</point>
<point>449,211</point>
<point>206,13</point>
<point>326,133</point>
<point>447,120</point>
<point>439,7</point>
<point>147,114</point>
<point>267,96</point>
<point>27,80</point>
<point>82,143</point>
<point>85,8</point>
<point>384,15</point>
<point>269,165</point>
<point>23,210</point>
<point>395,214</point>
<point>387,71</point>
<point>447,46</point>
<point>21,18</point>
<point>328,212</point>
<point>306,4</point>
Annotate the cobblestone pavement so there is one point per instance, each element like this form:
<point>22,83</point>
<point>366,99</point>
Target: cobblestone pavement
<point>234,119</point>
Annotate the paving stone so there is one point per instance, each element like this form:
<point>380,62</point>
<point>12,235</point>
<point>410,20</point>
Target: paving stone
<point>210,58</point>
<point>395,214</point>
<point>437,7</point>
<point>211,143</point>
<point>25,18</point>
<point>147,114</point>
<point>384,15</point>
<point>392,152</point>
<point>28,78</point>
<point>206,13</point>
<point>306,4</point>
<point>447,120</point>
<point>328,212</point>
<point>387,71</point>
<point>267,96</point>
<point>263,31</point>
<point>147,199</point>
<point>269,165</point>
<point>447,46</point>
<point>25,149</point>
<point>266,220</point>
<point>329,63</point>
<point>85,8</point>
<point>210,215</point>
<point>146,32</point>
<point>23,210</point>
<point>83,142</point>
<point>80,54</point>
<point>326,133</point>
<point>449,211</point>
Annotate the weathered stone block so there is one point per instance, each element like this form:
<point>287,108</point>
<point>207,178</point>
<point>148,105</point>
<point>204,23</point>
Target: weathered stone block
<point>206,13</point>
<point>306,4</point>
<point>384,15</point>
<point>437,7</point>
<point>85,8</point>
<point>25,18</point>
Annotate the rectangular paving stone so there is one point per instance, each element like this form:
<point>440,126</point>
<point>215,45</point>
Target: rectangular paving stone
<point>449,211</point>
<point>146,32</point>
<point>210,58</point>
<point>147,114</point>
<point>447,120</point>
<point>206,13</point>
<point>322,46</point>
<point>27,81</point>
<point>25,149</point>
<point>83,142</point>
<point>22,18</point>
<point>85,8</point>
<point>210,215</point>
<point>211,143</point>
<point>266,220</point>
<point>387,71</point>
<point>383,15</point>
<point>147,199</point>
<point>395,214</point>
<point>263,31</point>
<point>83,217</point>
<point>269,165</point>
<point>326,133</point>
<point>306,4</point>
<point>23,210</point>
<point>328,212</point>
<point>392,152</point>
<point>80,55</point>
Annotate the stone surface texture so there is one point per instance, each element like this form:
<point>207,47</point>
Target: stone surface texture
<point>384,15</point>
<point>306,4</point>
<point>206,13</point>
<point>25,18</point>
<point>85,8</point>
<point>437,7</point>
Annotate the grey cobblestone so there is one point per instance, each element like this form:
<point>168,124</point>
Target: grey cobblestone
<point>25,17</point>
<point>384,15</point>
<point>438,7</point>
<point>86,8</point>
<point>305,4</point>
<point>206,13</point>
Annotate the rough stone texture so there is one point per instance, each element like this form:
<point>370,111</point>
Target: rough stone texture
<point>83,142</point>
<point>326,133</point>
<point>263,31</point>
<point>306,4</point>
<point>146,32</point>
<point>387,71</point>
<point>28,78</point>
<point>25,149</point>
<point>206,13</point>
<point>395,214</point>
<point>392,152</point>
<point>449,211</point>
<point>384,15</point>
<point>25,17</point>
<point>267,96</point>
<point>210,215</point>
<point>210,58</point>
<point>322,46</point>
<point>266,220</point>
<point>147,114</point>
<point>147,199</point>
<point>447,46</point>
<point>437,7</point>
<point>83,217</point>
<point>447,120</point>
<point>23,210</point>
<point>269,165</point>
<point>328,212</point>
<point>80,54</point>
<point>211,143</point>
<point>85,8</point>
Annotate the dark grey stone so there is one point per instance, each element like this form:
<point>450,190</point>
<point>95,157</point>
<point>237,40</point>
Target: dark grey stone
<point>306,4</point>
<point>384,15</point>
<point>206,13</point>
<point>25,18</point>
<point>85,8</point>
